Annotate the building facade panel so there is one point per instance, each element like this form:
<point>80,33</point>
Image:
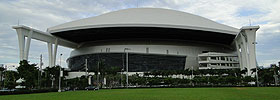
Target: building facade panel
<point>138,62</point>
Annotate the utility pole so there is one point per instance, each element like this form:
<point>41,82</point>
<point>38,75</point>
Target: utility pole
<point>60,75</point>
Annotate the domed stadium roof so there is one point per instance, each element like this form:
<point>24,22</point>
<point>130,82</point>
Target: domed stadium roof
<point>146,17</point>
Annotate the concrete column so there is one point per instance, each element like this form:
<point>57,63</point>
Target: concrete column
<point>244,51</point>
<point>246,40</point>
<point>55,51</point>
<point>237,44</point>
<point>186,67</point>
<point>50,54</point>
<point>251,42</point>
<point>21,43</point>
<point>26,49</point>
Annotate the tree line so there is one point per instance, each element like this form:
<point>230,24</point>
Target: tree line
<point>48,77</point>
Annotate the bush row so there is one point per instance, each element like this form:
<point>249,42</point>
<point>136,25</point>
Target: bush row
<point>27,91</point>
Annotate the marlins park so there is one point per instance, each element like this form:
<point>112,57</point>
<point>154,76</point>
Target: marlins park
<point>146,39</point>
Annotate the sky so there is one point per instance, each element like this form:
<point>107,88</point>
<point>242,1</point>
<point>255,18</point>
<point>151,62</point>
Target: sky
<point>41,14</point>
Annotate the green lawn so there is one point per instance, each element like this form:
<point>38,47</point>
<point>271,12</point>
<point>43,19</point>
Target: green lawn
<point>234,93</point>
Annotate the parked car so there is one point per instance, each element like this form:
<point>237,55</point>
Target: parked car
<point>91,88</point>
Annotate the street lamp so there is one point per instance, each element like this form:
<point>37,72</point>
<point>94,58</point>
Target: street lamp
<point>126,66</point>
<point>121,77</point>
<point>60,74</point>
<point>39,72</point>
<point>257,77</point>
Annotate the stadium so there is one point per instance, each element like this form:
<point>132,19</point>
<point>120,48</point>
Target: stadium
<point>147,39</point>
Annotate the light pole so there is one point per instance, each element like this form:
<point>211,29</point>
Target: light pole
<point>121,76</point>
<point>192,72</point>
<point>192,77</point>
<point>257,76</point>
<point>60,74</point>
<point>39,72</point>
<point>86,65</point>
<point>98,74</point>
<point>126,66</point>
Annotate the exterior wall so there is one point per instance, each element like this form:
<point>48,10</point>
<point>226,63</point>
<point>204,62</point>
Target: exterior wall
<point>137,62</point>
<point>214,60</point>
<point>77,74</point>
<point>189,49</point>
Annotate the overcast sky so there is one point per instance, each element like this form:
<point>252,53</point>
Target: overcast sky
<point>41,14</point>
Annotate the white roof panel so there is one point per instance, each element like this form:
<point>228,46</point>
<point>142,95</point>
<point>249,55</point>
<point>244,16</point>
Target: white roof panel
<point>146,17</point>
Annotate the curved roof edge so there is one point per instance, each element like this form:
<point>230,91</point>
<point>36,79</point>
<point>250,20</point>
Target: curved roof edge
<point>146,17</point>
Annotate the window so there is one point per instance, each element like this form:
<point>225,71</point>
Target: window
<point>229,59</point>
<point>222,58</point>
<point>203,58</point>
<point>107,49</point>
<point>147,50</point>
<point>213,64</point>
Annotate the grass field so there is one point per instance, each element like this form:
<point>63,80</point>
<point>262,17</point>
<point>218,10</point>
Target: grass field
<point>234,93</point>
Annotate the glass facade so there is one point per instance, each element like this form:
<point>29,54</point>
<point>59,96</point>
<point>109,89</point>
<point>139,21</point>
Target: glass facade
<point>137,62</point>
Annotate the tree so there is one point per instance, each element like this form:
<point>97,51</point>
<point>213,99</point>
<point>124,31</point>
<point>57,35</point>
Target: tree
<point>2,69</point>
<point>248,79</point>
<point>10,79</point>
<point>266,76</point>
<point>154,81</point>
<point>51,76</point>
<point>29,73</point>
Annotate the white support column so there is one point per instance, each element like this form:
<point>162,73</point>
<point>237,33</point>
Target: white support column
<point>244,52</point>
<point>251,40</point>
<point>26,49</point>
<point>246,40</point>
<point>21,43</point>
<point>55,52</point>
<point>30,33</point>
<point>50,54</point>
<point>237,44</point>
